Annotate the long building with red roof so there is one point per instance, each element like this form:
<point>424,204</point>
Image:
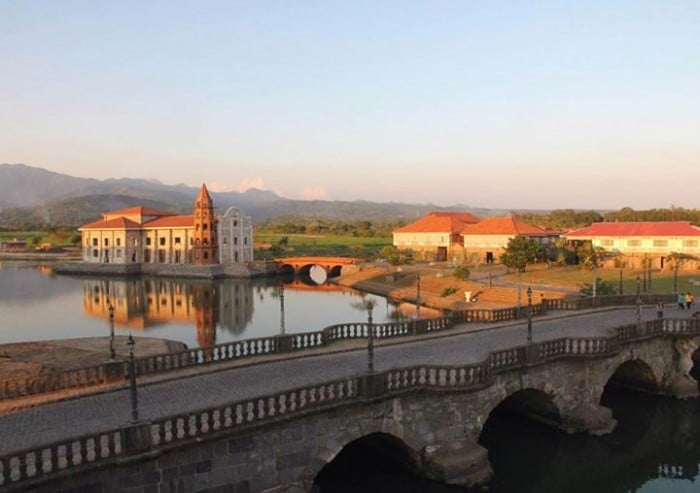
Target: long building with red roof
<point>435,236</point>
<point>462,237</point>
<point>635,243</point>
<point>148,235</point>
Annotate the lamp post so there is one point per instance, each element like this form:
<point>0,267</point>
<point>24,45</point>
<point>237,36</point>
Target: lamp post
<point>529,315</point>
<point>638,313</point>
<point>112,353</point>
<point>132,381</point>
<point>520,288</point>
<point>281,293</point>
<point>369,306</point>
<point>418,296</point>
<point>621,291</point>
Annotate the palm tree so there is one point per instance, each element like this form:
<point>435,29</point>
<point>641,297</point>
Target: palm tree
<point>677,259</point>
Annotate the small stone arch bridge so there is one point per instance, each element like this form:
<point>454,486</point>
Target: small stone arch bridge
<point>429,415</point>
<point>303,265</point>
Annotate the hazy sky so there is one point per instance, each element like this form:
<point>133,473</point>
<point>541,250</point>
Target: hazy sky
<point>508,104</point>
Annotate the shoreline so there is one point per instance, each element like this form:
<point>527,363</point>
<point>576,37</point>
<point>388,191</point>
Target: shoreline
<point>235,271</point>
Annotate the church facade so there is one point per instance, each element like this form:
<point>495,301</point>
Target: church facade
<point>148,235</point>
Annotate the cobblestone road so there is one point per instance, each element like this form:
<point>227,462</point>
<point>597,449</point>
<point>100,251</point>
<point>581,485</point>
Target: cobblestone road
<point>469,344</point>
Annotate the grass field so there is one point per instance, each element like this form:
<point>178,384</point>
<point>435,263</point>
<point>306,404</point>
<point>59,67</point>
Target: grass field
<point>332,245</point>
<point>62,238</point>
<point>574,277</point>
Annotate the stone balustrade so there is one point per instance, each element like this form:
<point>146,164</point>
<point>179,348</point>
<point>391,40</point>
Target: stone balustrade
<point>161,363</point>
<point>118,446</point>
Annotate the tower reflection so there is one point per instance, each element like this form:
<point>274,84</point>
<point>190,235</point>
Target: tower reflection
<point>140,304</point>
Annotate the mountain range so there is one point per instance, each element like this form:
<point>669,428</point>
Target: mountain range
<point>35,196</point>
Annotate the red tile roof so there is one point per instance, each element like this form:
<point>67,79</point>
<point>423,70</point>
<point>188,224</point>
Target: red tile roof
<point>170,222</point>
<point>116,223</point>
<point>440,222</point>
<point>505,226</point>
<point>658,228</point>
<point>139,209</point>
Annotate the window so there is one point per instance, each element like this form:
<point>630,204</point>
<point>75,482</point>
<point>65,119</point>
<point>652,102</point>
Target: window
<point>148,241</point>
<point>690,243</point>
<point>177,240</point>
<point>94,242</point>
<point>607,242</point>
<point>162,241</point>
<point>119,242</point>
<point>136,242</point>
<point>634,243</point>
<point>205,226</point>
<point>235,223</point>
<point>225,241</point>
<point>95,253</point>
<point>245,240</point>
<point>206,255</point>
<point>235,240</point>
<point>660,243</point>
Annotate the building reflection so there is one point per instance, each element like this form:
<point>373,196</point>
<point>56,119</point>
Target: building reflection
<point>140,304</point>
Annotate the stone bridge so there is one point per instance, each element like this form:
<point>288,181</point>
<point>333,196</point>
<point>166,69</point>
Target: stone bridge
<point>303,265</point>
<point>431,416</point>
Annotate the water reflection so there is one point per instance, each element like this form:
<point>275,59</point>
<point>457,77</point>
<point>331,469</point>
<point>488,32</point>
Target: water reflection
<point>35,305</point>
<point>654,448</point>
<point>144,303</point>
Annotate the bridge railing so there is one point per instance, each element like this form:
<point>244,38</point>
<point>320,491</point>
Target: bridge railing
<point>115,446</point>
<point>236,350</point>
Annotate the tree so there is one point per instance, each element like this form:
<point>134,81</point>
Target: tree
<point>519,252</point>
<point>590,258</point>
<point>677,259</point>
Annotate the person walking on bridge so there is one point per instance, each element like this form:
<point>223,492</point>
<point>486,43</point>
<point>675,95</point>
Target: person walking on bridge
<point>681,301</point>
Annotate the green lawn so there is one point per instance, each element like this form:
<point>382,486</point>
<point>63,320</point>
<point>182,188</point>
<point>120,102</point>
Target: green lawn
<point>327,245</point>
<point>62,237</point>
<point>574,277</point>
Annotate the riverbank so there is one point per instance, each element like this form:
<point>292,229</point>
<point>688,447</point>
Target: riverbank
<point>235,271</point>
<point>32,359</point>
<point>439,289</point>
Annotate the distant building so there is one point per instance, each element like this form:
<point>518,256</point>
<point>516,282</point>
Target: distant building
<point>147,235</point>
<point>235,231</point>
<point>436,236</point>
<point>634,242</point>
<point>486,240</point>
<point>13,245</point>
<point>462,237</point>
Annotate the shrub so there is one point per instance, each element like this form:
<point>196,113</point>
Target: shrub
<point>602,288</point>
<point>448,291</point>
<point>461,272</point>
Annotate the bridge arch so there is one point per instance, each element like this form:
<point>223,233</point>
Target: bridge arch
<point>635,374</point>
<point>531,403</point>
<point>376,451</point>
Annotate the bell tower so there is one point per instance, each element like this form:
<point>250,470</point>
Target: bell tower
<point>205,250</point>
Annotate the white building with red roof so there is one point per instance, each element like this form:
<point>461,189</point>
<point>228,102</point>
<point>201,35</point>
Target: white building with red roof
<point>485,240</point>
<point>462,237</point>
<point>435,236</point>
<point>148,235</point>
<point>637,241</point>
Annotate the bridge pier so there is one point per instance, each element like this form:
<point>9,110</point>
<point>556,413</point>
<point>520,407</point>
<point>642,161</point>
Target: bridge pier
<point>589,418</point>
<point>460,462</point>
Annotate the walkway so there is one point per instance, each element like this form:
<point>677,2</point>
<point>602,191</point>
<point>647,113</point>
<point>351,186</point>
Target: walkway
<point>469,343</point>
